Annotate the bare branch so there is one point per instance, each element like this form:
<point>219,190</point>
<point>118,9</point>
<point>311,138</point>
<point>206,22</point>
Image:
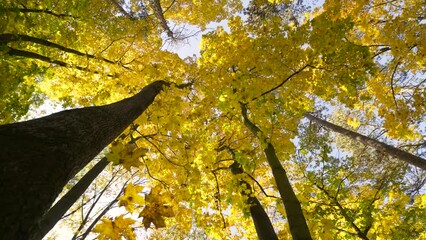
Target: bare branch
<point>282,83</point>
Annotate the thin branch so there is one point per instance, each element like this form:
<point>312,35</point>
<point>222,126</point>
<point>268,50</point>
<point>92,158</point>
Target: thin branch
<point>121,9</point>
<point>106,209</point>
<point>161,152</point>
<point>282,83</point>
<point>260,186</point>
<point>339,186</point>
<point>26,54</point>
<point>27,10</point>
<point>149,174</point>
<point>86,217</point>
<point>9,37</point>
<point>158,12</point>
<point>381,50</point>
<point>343,211</point>
<point>168,7</point>
<point>392,83</point>
<point>81,206</point>
<point>218,201</point>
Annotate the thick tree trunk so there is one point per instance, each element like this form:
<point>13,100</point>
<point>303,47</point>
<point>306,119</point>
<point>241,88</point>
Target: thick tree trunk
<point>38,157</point>
<point>56,212</point>
<point>296,220</point>
<point>392,151</point>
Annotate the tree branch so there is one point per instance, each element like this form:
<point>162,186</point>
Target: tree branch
<point>27,10</point>
<point>282,83</point>
<point>26,54</point>
<point>121,9</point>
<point>158,12</point>
<point>8,37</point>
<point>392,151</point>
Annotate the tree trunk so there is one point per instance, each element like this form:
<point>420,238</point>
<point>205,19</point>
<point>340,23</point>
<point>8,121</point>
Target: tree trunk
<point>158,12</point>
<point>38,157</point>
<point>392,151</point>
<point>296,220</point>
<point>56,212</point>
<point>262,223</point>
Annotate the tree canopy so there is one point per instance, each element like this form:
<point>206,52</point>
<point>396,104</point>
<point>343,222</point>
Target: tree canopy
<point>233,127</point>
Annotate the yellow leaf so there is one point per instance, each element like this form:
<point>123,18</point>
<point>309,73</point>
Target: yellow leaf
<point>115,229</point>
<point>131,197</point>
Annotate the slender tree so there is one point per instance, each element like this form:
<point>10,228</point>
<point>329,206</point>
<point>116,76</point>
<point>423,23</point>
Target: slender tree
<point>61,207</point>
<point>296,220</point>
<point>392,151</point>
<point>262,223</point>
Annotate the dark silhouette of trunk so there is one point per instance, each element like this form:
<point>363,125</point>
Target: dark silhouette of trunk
<point>383,147</point>
<point>262,223</point>
<point>38,157</point>
<point>56,212</point>
<point>296,220</point>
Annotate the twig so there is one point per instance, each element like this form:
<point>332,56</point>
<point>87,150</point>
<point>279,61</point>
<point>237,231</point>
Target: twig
<point>282,83</point>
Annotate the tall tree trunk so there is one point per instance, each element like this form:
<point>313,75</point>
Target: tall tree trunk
<point>38,157</point>
<point>392,151</point>
<point>158,12</point>
<point>296,220</point>
<point>56,212</point>
<point>262,223</point>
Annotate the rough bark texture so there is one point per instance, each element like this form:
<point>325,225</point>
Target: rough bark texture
<point>38,157</point>
<point>56,212</point>
<point>296,220</point>
<point>392,151</point>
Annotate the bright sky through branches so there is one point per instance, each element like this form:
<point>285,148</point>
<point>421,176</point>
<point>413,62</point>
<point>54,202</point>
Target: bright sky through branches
<point>325,106</point>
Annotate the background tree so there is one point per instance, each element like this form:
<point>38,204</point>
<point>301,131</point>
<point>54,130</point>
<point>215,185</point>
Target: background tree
<point>348,190</point>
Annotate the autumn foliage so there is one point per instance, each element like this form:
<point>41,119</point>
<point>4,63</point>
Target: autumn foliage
<point>360,65</point>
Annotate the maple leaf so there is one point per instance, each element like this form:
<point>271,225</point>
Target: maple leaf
<point>156,208</point>
<point>132,159</point>
<point>131,198</point>
<point>150,214</point>
<point>115,229</point>
<point>126,154</point>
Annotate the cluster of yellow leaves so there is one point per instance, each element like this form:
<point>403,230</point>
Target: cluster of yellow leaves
<point>361,191</point>
<point>127,155</point>
<point>394,32</point>
<point>201,12</point>
<point>332,53</point>
<point>398,217</point>
<point>157,207</point>
<point>114,229</point>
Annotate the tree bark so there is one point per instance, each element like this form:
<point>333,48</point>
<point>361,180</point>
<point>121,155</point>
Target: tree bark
<point>262,223</point>
<point>392,151</point>
<point>158,12</point>
<point>56,212</point>
<point>38,157</point>
<point>296,220</point>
